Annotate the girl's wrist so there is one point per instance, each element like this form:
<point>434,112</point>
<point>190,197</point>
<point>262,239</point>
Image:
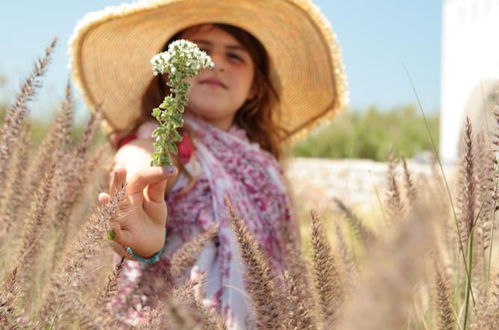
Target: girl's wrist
<point>152,259</point>
<point>145,255</point>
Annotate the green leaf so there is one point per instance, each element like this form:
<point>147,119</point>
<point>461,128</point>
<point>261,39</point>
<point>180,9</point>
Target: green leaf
<point>172,147</point>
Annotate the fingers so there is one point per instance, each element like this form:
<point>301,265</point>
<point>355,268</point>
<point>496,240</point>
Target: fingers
<point>123,207</point>
<point>120,236</point>
<point>154,177</point>
<point>145,201</point>
<point>118,179</point>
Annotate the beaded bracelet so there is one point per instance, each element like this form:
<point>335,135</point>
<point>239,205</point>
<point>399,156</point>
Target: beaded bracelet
<point>150,260</point>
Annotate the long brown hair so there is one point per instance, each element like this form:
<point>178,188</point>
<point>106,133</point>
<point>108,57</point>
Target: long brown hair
<point>257,115</point>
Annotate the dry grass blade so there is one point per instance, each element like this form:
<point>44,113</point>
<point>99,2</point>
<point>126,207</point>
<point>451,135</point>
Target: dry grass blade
<point>71,185</point>
<point>487,310</point>
<point>34,230</point>
<point>98,314</point>
<point>156,320</point>
<point>178,317</point>
<point>346,256</point>
<point>92,174</point>
<point>58,139</point>
<point>300,314</point>
<point>63,122</point>
<point>487,192</point>
<point>14,194</point>
<point>394,205</point>
<point>110,289</point>
<point>446,319</point>
<point>8,296</point>
<point>328,281</point>
<point>86,139</point>
<point>175,311</point>
<point>65,283</point>
<point>260,282</point>
<point>493,307</point>
<point>91,318</point>
<point>364,234</point>
<point>185,293</point>
<point>300,285</point>
<point>296,263</point>
<point>489,317</point>
<point>17,112</point>
<point>191,294</point>
<point>383,296</point>
<point>410,188</point>
<point>11,316</point>
<point>342,245</point>
<point>467,185</point>
<point>54,145</point>
<point>210,319</point>
<point>188,253</point>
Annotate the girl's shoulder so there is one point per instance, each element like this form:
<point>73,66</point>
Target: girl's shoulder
<point>135,154</point>
<point>135,150</point>
<point>141,139</point>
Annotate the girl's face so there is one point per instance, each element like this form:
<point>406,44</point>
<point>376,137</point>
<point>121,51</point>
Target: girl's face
<point>217,94</point>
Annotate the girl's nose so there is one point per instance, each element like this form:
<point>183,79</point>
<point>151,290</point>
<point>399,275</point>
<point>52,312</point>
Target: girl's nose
<point>219,61</point>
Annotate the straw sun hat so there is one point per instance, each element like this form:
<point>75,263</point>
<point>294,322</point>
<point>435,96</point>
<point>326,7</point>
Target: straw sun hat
<point>110,52</point>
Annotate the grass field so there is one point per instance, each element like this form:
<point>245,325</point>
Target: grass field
<point>424,260</point>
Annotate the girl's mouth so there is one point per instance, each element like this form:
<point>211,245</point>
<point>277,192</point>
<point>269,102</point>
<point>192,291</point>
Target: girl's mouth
<point>213,82</point>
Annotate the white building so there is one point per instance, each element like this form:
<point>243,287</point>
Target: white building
<point>470,68</point>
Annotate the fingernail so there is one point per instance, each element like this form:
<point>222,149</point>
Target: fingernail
<point>169,169</point>
<point>111,235</point>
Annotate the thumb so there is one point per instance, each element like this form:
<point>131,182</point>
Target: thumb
<point>156,191</point>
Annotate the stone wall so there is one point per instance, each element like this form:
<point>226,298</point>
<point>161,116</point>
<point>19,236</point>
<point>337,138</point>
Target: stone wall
<point>357,182</point>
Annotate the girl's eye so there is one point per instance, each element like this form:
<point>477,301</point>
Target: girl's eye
<point>235,57</point>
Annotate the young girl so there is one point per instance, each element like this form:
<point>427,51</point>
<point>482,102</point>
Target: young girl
<point>277,73</point>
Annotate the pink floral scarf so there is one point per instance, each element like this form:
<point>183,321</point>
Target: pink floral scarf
<point>224,164</point>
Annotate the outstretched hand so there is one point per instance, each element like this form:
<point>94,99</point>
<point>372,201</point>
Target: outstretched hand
<point>141,217</point>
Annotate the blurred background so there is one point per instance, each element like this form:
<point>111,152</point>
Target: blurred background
<point>385,44</point>
<point>403,58</point>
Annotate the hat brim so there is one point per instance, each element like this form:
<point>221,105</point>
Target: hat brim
<point>111,50</point>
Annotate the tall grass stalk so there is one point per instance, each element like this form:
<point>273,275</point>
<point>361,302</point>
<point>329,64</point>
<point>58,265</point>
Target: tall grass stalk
<point>17,112</point>
<point>437,157</point>
<point>58,300</point>
<point>261,282</point>
<point>71,185</point>
<point>378,199</point>
<point>446,320</point>
<point>14,194</point>
<point>327,273</point>
<point>185,257</point>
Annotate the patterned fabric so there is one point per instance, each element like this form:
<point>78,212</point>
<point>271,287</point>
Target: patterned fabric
<point>224,164</point>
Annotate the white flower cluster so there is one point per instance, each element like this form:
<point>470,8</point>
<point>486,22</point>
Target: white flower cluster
<point>182,59</point>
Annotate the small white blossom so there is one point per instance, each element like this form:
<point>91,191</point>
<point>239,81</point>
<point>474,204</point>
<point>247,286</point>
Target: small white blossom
<point>183,57</point>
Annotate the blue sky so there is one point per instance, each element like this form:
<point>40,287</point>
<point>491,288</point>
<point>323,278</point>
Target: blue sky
<point>378,37</point>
